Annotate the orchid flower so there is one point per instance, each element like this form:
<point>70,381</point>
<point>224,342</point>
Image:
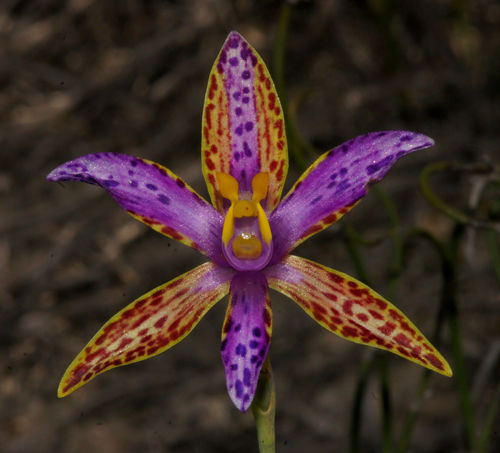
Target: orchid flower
<point>247,234</point>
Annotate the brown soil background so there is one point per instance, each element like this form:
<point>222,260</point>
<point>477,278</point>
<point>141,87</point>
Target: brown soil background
<point>86,76</point>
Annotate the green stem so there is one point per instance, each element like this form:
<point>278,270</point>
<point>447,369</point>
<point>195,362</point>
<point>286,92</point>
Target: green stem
<point>264,409</point>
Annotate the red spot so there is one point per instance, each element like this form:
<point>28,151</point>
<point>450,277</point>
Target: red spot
<point>387,328</point>
<point>146,338</point>
<point>277,110</point>
<point>317,308</point>
<point>363,317</point>
<point>312,230</point>
<point>267,317</point>
<point>272,100</point>
<point>140,303</point>
<point>278,124</point>
<point>273,165</point>
<point>143,332</point>
<point>434,361</point>
<point>205,133</point>
<point>280,173</point>
<point>330,296</point>
<point>88,376</point>
<point>347,307</point>
<point>403,351</point>
<point>159,324</point>
<point>402,339</point>
<point>349,331</point>
<point>156,300</point>
<point>127,313</point>
<point>141,320</point>
<point>405,326</point>
<point>335,278</point>
<point>213,87</point>
<point>359,292</point>
<point>208,115</point>
<point>171,232</point>
<point>260,70</point>
<point>210,164</point>
<point>174,325</point>
<point>381,304</point>
<point>376,314</point>
<point>330,219</point>
<point>336,320</point>
<point>214,149</point>
<point>280,144</point>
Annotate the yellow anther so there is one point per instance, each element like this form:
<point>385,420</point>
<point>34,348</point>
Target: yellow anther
<point>245,208</point>
<point>247,246</point>
<point>260,183</point>
<point>228,186</point>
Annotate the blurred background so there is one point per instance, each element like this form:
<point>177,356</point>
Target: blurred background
<point>85,76</point>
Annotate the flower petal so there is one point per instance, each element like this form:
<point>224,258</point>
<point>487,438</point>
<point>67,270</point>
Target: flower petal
<point>153,195</point>
<point>243,130</point>
<point>246,336</point>
<point>150,325</point>
<point>335,183</point>
<point>353,311</point>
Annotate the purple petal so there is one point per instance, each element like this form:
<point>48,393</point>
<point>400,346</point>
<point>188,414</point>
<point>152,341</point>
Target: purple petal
<point>335,182</point>
<point>246,336</point>
<point>153,195</point>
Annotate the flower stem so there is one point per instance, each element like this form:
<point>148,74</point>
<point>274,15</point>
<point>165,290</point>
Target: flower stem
<point>264,409</point>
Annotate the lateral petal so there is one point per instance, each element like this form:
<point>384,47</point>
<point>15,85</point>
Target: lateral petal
<point>350,309</point>
<point>243,129</point>
<point>150,325</point>
<point>246,336</point>
<point>152,194</point>
<point>333,184</point>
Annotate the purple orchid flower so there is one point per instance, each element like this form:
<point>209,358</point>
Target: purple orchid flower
<point>247,234</point>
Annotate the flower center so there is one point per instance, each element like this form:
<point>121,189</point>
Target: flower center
<point>246,235</point>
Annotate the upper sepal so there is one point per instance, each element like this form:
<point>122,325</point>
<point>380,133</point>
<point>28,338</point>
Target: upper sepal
<point>243,129</point>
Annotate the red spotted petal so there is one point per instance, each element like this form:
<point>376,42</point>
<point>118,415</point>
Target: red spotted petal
<point>350,309</point>
<point>150,325</point>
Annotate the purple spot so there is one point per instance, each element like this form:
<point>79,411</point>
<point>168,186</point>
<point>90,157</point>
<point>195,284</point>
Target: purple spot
<point>331,185</point>
<point>239,130</point>
<point>163,199</point>
<point>246,90</point>
<point>380,134</point>
<point>111,183</point>
<point>246,148</point>
<point>151,187</point>
<point>343,171</point>
<point>241,350</point>
<point>262,352</point>
<point>243,174</point>
<point>233,61</point>
<point>345,184</point>
<point>254,59</point>
<point>319,197</point>
<point>239,389</point>
<point>248,126</point>
<point>245,99</point>
<point>256,332</point>
<point>181,183</point>
<point>236,156</point>
<point>245,75</point>
<point>238,111</point>
<point>233,43</point>
<point>236,95</point>
<point>400,154</point>
<point>237,328</point>
<point>234,366</point>
<point>130,173</point>
<point>133,163</point>
<point>223,344</point>
<point>223,56</point>
<point>254,359</point>
<point>334,176</point>
<point>406,138</point>
<point>344,148</point>
<point>133,183</point>
<point>253,344</point>
<point>220,68</point>
<point>246,377</point>
<point>244,53</point>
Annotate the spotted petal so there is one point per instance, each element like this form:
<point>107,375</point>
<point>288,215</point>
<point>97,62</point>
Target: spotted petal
<point>353,311</point>
<point>153,195</point>
<point>243,127</point>
<point>150,325</point>
<point>336,182</point>
<point>245,336</point>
